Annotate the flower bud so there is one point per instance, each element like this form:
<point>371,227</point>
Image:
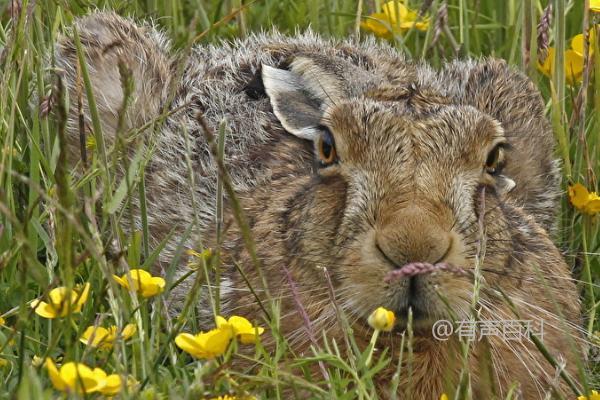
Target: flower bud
<point>382,319</point>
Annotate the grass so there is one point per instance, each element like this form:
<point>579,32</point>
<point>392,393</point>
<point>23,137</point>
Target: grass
<point>52,233</point>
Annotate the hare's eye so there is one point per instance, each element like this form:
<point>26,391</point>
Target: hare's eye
<point>495,160</point>
<point>326,148</point>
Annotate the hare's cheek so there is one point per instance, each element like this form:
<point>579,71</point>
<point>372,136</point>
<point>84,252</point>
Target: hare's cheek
<point>449,294</point>
<point>327,204</point>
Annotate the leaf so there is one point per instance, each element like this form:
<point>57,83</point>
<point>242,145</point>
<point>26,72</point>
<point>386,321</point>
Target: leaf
<point>115,202</point>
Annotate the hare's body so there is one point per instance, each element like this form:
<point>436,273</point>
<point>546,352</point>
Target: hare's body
<point>408,181</point>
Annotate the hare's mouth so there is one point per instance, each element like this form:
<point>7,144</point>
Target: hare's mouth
<point>419,313</point>
<point>417,300</point>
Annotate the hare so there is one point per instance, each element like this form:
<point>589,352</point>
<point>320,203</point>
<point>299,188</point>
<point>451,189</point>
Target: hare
<point>352,163</point>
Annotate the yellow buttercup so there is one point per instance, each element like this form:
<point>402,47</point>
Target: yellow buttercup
<point>142,282</point>
<point>62,301</point>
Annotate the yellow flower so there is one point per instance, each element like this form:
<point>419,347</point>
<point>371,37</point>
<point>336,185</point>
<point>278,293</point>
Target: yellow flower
<point>205,345</point>
<point>97,336</point>
<point>546,67</point>
<point>227,397</point>
<point>2,321</point>
<point>79,378</point>
<point>37,361</point>
<point>112,383</point>
<point>583,200</point>
<point>382,319</point>
<point>379,24</point>
<point>74,377</point>
<point>205,256</point>
<point>241,327</point>
<point>577,43</point>
<point>395,18</point>
<point>144,283</point>
<point>573,65</point>
<point>594,396</point>
<point>62,301</point>
<point>595,6</point>
<point>574,61</point>
<point>444,396</point>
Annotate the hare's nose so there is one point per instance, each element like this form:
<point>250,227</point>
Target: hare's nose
<point>413,236</point>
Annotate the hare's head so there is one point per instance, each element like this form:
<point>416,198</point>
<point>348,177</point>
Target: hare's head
<point>399,176</point>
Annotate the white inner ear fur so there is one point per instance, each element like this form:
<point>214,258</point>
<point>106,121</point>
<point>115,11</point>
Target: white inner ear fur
<point>507,183</point>
<point>280,80</point>
<point>298,113</point>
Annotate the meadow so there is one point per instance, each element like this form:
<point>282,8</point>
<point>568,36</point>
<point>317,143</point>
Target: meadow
<point>53,233</point>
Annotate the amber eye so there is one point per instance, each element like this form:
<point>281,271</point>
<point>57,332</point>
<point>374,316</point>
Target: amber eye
<point>495,160</point>
<point>326,148</point>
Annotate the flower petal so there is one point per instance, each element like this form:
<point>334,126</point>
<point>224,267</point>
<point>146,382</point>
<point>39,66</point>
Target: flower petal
<point>187,343</point>
<point>240,324</point>
<point>216,341</point>
<point>220,321</point>
<point>574,65</point>
<point>205,345</point>
<point>58,295</point>
<point>579,195</point>
<point>150,289</point>
<point>143,282</point>
<point>592,207</point>
<point>577,44</point>
<point>157,284</point>
<point>547,66</point>
<point>379,24</point>
<point>44,309</point>
<point>251,338</point>
<point>99,373</point>
<point>140,275</point>
<point>80,377</point>
<point>394,14</point>
<point>83,295</point>
<point>122,281</point>
<point>128,331</point>
<point>113,385</point>
<point>95,336</point>
<point>55,378</point>
<point>242,328</point>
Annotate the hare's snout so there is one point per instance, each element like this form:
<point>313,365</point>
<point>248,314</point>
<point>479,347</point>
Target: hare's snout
<point>412,238</point>
<point>413,235</point>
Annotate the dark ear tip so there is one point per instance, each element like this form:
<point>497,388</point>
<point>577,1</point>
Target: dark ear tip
<point>255,88</point>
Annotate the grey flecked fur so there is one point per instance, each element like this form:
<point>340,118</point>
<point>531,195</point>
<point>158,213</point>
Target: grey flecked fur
<point>223,83</point>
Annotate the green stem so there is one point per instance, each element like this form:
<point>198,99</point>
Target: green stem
<point>588,276</point>
<point>372,347</point>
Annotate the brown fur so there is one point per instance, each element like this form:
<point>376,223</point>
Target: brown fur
<point>410,185</point>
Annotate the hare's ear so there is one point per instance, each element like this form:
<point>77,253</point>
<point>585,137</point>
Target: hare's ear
<point>300,95</point>
<point>107,41</point>
<point>511,98</point>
